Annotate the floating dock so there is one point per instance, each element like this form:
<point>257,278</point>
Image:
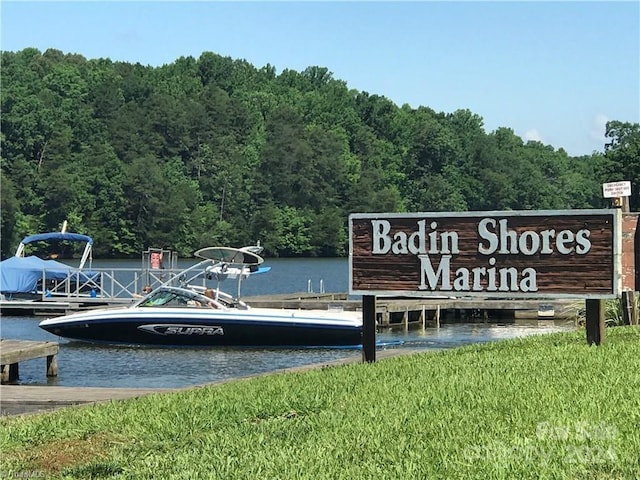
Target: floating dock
<point>51,307</point>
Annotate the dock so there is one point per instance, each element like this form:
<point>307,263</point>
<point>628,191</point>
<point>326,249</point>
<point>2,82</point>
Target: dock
<point>23,399</point>
<point>428,312</point>
<point>390,311</point>
<point>12,352</point>
<point>117,287</point>
<point>51,307</point>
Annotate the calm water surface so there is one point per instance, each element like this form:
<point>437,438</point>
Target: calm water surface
<point>82,364</point>
<point>287,275</point>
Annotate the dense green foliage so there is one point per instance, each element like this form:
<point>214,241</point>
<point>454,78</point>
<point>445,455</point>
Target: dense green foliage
<point>215,151</point>
<point>547,406</point>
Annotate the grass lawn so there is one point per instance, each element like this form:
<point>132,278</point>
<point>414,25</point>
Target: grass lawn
<point>547,406</point>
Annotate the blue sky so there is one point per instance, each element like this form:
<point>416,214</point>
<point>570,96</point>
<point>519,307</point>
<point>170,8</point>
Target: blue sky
<point>551,71</point>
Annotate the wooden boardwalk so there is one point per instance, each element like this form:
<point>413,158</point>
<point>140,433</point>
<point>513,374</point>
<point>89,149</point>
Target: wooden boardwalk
<point>22,399</point>
<point>12,352</point>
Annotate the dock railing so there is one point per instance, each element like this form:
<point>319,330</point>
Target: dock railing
<point>106,283</point>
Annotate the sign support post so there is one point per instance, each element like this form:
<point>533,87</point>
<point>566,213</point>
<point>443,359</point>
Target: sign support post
<point>368,328</point>
<point>628,308</point>
<point>595,325</point>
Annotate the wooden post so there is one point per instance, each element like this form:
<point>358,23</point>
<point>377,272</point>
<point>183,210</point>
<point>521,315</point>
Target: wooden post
<point>12,352</point>
<point>626,302</point>
<point>10,373</point>
<point>52,365</point>
<point>368,328</point>
<point>595,325</point>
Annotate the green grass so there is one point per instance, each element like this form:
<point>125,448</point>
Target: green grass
<point>547,406</point>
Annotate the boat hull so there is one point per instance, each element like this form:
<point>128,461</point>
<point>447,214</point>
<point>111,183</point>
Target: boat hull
<point>248,329</point>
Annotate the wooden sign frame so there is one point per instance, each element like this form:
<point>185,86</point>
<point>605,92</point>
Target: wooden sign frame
<point>492,254</point>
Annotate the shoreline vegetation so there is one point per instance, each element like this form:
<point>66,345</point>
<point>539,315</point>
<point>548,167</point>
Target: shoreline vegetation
<point>212,150</point>
<point>544,406</point>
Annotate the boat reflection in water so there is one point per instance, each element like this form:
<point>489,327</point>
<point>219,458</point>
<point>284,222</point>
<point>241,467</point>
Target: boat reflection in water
<point>184,316</point>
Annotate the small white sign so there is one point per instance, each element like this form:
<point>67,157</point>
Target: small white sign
<point>616,189</point>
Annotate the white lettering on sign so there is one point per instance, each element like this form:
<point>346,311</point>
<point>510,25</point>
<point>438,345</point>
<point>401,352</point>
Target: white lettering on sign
<point>616,189</point>
<point>437,251</point>
<point>506,279</point>
<point>418,243</point>
<point>507,242</point>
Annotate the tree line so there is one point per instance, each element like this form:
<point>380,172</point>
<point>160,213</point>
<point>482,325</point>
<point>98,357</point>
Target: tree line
<point>214,151</point>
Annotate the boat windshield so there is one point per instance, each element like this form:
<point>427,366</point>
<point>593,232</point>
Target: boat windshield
<point>173,297</point>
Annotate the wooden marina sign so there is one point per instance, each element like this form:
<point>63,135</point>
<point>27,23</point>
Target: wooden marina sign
<point>501,254</point>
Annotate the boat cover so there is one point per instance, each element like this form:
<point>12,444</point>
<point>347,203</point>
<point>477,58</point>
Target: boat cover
<point>22,274</point>
<point>57,236</point>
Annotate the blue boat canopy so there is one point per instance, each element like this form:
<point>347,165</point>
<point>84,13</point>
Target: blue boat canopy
<point>57,237</point>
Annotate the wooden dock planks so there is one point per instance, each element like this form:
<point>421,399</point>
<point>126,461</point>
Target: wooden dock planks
<point>57,306</point>
<point>24,399</point>
<point>12,352</point>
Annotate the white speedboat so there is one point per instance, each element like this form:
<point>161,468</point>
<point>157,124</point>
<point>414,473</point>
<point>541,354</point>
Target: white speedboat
<point>186,316</point>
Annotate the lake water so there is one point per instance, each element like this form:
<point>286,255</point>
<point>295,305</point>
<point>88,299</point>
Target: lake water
<point>102,366</point>
<point>287,275</point>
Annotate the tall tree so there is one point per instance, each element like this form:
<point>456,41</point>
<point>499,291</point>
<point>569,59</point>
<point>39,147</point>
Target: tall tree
<point>622,156</point>
<point>9,214</point>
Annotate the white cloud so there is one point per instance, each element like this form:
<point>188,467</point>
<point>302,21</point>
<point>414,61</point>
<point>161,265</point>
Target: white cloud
<point>598,128</point>
<point>533,135</point>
